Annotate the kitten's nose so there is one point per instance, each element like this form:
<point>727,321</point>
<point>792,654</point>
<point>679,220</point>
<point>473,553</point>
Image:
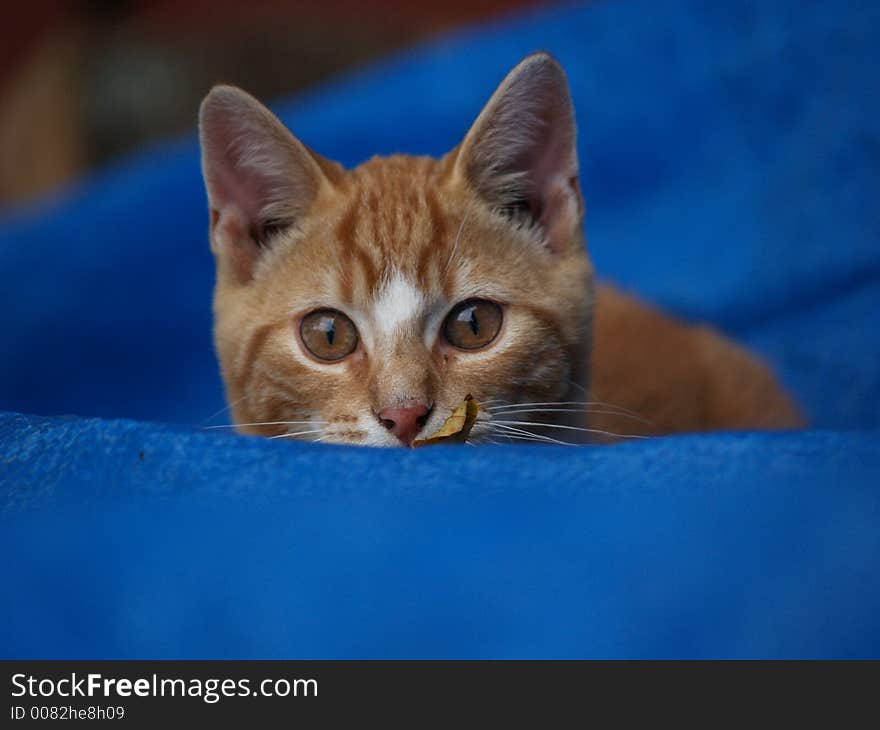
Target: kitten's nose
<point>406,421</point>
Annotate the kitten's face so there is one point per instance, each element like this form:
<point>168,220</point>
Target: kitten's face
<point>368,310</point>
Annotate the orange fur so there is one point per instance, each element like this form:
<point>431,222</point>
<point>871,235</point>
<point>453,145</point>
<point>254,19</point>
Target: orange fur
<point>677,378</point>
<point>397,242</point>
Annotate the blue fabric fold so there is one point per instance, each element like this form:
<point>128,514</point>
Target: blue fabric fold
<point>134,540</point>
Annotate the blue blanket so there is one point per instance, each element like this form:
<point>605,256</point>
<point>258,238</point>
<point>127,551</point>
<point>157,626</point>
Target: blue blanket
<point>731,166</point>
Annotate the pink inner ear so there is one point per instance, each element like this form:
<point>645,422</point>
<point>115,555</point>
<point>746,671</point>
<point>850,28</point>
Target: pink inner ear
<point>234,185</point>
<point>522,149</point>
<point>245,168</point>
<point>561,213</point>
<point>552,156</point>
<point>548,177</point>
<point>251,162</point>
<point>236,197</point>
<point>234,244</point>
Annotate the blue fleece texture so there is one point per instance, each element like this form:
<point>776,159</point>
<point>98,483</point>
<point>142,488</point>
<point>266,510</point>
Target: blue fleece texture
<point>730,156</point>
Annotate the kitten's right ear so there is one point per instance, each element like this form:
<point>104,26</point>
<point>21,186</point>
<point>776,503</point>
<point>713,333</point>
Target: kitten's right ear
<point>520,154</point>
<point>258,177</point>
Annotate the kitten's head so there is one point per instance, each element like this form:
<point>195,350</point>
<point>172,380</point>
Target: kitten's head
<point>362,306</point>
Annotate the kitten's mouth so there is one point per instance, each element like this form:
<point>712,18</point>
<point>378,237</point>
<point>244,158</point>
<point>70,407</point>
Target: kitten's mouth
<point>424,419</point>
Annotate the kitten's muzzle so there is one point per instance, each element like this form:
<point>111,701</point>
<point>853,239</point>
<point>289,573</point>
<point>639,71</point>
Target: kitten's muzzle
<point>405,421</point>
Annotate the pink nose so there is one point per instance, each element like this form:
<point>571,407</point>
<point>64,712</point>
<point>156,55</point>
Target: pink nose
<point>405,422</point>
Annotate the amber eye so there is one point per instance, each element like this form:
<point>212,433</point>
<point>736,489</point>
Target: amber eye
<point>328,334</point>
<point>472,324</point>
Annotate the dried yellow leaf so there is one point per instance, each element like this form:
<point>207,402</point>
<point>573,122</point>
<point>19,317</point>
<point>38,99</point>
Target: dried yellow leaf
<point>456,428</point>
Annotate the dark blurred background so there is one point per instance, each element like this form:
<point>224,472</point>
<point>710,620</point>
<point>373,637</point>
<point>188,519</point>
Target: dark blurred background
<point>84,81</point>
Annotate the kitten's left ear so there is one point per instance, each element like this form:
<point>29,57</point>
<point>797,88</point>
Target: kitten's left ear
<point>258,176</point>
<point>520,154</point>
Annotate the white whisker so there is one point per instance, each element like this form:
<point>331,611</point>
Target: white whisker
<point>531,439</point>
<point>296,433</point>
<point>558,403</point>
<point>570,428</point>
<point>617,410</point>
<point>269,423</point>
<point>580,387</point>
<point>455,243</point>
<point>586,412</point>
<point>223,410</point>
<point>611,405</point>
<point>535,436</point>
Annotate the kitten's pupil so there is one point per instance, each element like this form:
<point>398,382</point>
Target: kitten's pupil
<point>475,326</point>
<point>330,331</point>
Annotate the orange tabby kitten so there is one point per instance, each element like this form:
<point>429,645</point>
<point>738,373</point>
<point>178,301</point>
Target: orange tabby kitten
<point>362,306</point>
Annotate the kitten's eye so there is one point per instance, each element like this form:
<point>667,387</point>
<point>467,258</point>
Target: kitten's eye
<point>328,334</point>
<point>473,324</point>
